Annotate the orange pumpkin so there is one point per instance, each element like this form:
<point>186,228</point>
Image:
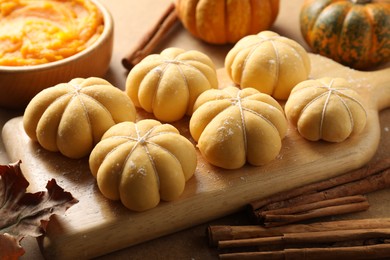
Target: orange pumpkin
<point>355,33</point>
<point>226,21</point>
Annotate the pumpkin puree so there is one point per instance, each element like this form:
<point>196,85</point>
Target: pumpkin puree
<point>41,31</point>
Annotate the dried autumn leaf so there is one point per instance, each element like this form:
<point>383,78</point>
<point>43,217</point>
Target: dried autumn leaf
<point>24,214</point>
<point>10,247</point>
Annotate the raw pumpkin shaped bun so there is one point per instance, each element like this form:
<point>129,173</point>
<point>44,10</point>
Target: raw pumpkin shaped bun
<point>167,84</point>
<point>326,109</point>
<point>269,63</point>
<point>72,117</point>
<point>142,163</point>
<point>234,126</point>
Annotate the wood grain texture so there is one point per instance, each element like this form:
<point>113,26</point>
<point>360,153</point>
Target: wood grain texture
<point>96,226</point>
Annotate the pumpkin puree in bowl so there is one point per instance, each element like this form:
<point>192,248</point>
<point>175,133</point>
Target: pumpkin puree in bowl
<point>42,31</point>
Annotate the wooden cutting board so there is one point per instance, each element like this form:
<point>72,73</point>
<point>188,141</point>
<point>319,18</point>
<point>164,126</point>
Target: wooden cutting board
<point>96,226</point>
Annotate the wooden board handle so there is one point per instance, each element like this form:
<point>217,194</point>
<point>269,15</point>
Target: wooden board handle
<point>381,92</point>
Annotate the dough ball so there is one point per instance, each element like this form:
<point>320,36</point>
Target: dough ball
<point>142,163</point>
<point>269,63</point>
<point>72,117</point>
<point>327,109</point>
<point>234,126</point>
<point>167,84</point>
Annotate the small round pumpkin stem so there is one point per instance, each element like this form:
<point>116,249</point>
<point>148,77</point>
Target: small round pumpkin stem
<point>361,1</point>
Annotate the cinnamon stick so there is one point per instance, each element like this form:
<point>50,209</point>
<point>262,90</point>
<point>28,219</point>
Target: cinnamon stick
<point>367,179</point>
<point>317,205</point>
<point>324,208</point>
<point>363,186</point>
<point>307,238</point>
<point>377,251</point>
<point>152,38</point>
<point>276,201</point>
<point>219,233</point>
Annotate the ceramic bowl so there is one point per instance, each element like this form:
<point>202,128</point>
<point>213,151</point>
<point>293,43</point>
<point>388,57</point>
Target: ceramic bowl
<point>19,84</point>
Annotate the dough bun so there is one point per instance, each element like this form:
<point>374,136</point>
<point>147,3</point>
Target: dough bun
<point>167,84</point>
<point>142,163</point>
<point>234,126</point>
<point>326,109</point>
<point>72,117</point>
<point>269,63</point>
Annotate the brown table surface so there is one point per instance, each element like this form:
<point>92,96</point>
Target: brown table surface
<point>132,18</point>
